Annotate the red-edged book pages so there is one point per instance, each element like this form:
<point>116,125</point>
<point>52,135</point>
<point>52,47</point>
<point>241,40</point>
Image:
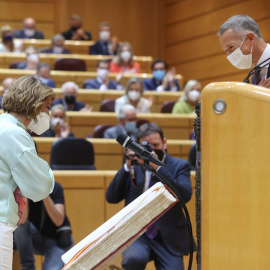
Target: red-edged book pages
<point>100,247</point>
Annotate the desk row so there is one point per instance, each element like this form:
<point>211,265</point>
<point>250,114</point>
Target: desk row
<point>78,77</point>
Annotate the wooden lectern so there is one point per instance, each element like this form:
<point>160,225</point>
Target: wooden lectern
<point>235,177</point>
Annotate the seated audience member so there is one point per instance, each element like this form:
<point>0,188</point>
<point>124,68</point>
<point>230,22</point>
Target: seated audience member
<point>192,157</point>
<point>76,31</point>
<point>8,43</point>
<point>123,62</point>
<point>45,230</point>
<point>166,241</point>
<point>43,74</point>
<point>29,30</point>
<point>6,82</point>
<point>59,126</point>
<point>68,100</point>
<point>32,59</point>
<point>58,43</point>
<point>163,80</point>
<point>191,95</point>
<point>102,82</point>
<point>106,45</point>
<point>133,96</point>
<point>127,123</point>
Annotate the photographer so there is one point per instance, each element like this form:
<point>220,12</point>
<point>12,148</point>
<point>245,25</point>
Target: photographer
<point>45,230</point>
<point>165,241</point>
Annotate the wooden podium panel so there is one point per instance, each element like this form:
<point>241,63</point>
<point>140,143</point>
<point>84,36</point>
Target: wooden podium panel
<point>235,182</point>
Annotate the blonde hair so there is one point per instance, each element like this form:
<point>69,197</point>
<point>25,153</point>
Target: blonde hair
<point>187,88</point>
<point>26,96</point>
<point>118,59</point>
<point>58,107</point>
<point>4,30</point>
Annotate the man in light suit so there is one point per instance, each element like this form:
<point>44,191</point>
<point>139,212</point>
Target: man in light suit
<point>241,40</point>
<point>102,82</point>
<point>169,240</point>
<point>127,123</point>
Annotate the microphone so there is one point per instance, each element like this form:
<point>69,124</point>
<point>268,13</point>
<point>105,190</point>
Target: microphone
<point>140,152</point>
<point>252,71</point>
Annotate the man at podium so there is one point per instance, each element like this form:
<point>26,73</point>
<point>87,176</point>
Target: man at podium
<point>242,41</point>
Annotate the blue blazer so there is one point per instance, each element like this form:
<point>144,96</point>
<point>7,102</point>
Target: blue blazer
<point>151,84</point>
<point>172,225</point>
<point>20,34</point>
<point>50,50</point>
<point>98,48</point>
<point>78,105</point>
<point>95,84</point>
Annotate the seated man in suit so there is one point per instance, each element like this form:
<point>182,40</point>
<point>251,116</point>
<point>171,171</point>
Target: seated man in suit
<point>163,80</point>
<point>43,74</point>
<point>127,123</point>
<point>76,31</point>
<point>45,230</point>
<point>58,42</point>
<point>29,30</point>
<point>106,45</point>
<point>102,81</point>
<point>68,100</point>
<point>167,240</point>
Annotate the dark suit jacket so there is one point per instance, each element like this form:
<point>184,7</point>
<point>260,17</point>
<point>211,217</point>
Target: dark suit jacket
<point>69,34</point>
<point>98,48</point>
<point>78,105</point>
<point>94,84</point>
<point>1,97</point>
<point>51,133</point>
<point>151,84</point>
<point>253,81</point>
<point>50,50</point>
<point>172,225</point>
<point>20,34</point>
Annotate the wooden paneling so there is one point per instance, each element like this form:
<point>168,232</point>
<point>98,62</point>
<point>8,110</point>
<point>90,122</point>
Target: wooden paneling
<point>109,154</point>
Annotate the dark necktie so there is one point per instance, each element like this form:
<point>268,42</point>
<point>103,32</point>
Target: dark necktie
<point>106,51</point>
<point>257,75</point>
<point>152,230</point>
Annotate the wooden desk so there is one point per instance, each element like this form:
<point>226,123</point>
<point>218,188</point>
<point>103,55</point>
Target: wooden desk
<point>90,60</point>
<point>175,126</point>
<point>109,154</point>
<point>78,77</point>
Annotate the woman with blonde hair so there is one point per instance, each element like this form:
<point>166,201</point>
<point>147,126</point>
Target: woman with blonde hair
<point>133,95</point>
<point>23,174</point>
<point>8,44</point>
<point>191,95</point>
<point>123,61</point>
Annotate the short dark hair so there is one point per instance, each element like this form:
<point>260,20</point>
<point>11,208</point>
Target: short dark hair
<point>107,61</point>
<point>41,65</point>
<point>159,61</point>
<point>148,129</point>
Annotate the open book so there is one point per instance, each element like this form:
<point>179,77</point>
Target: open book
<point>101,246</point>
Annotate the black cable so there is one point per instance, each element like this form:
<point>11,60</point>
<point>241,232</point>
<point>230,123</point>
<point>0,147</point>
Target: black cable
<point>252,71</point>
<point>182,204</point>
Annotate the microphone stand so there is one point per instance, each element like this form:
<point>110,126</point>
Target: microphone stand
<point>181,204</point>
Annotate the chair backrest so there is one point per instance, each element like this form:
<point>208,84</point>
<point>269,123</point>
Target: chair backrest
<point>167,106</point>
<point>107,105</point>
<point>141,122</point>
<point>72,154</point>
<point>72,64</point>
<point>14,65</point>
<point>99,130</point>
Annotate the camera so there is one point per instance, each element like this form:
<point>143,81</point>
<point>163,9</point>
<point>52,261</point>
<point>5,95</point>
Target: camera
<point>147,146</point>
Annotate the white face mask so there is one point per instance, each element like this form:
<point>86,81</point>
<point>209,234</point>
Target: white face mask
<point>133,95</point>
<point>29,32</point>
<point>125,56</point>
<point>56,120</point>
<point>43,123</point>
<point>57,49</point>
<point>240,60</point>
<point>104,35</point>
<point>33,57</point>
<point>193,95</point>
<point>102,73</point>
